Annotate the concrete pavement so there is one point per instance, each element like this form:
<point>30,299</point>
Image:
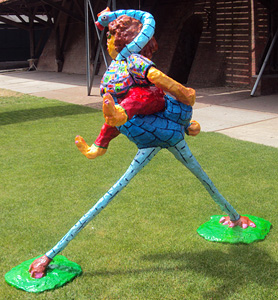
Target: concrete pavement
<point>225,110</point>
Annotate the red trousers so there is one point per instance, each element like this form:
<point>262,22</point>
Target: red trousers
<point>138,101</point>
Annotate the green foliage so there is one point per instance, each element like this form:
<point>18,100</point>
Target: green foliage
<point>144,245</point>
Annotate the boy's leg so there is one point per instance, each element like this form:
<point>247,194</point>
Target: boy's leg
<point>138,101</point>
<point>99,147</point>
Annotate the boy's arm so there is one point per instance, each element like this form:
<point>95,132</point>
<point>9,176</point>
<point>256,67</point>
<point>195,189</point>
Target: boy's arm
<point>166,83</point>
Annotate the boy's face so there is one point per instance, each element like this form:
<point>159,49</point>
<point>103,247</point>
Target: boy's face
<point>110,45</point>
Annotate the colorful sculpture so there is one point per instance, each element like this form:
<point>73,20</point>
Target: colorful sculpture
<point>135,104</point>
<point>129,82</point>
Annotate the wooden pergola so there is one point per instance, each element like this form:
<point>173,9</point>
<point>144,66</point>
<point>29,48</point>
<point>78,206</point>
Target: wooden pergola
<point>48,13</point>
<point>43,12</point>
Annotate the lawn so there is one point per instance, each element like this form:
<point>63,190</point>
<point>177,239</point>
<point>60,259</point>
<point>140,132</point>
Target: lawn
<point>144,245</point>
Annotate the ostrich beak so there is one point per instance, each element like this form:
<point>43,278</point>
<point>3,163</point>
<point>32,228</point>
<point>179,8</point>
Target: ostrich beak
<point>99,26</point>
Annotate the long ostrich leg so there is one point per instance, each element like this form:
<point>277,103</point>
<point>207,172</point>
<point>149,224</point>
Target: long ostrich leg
<point>141,159</point>
<point>182,152</point>
<point>39,266</point>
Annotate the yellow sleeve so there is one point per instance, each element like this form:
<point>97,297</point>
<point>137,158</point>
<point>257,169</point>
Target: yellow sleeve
<point>182,93</point>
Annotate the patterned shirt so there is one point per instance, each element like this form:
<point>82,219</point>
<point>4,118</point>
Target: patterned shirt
<point>121,75</point>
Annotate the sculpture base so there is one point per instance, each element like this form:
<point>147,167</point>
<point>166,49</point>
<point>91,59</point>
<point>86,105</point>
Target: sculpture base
<point>216,232</point>
<point>59,272</point>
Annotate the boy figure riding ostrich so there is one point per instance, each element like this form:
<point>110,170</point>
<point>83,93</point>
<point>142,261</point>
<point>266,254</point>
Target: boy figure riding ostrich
<point>135,84</point>
<point>135,103</point>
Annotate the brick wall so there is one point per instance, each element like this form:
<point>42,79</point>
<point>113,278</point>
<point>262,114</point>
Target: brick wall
<point>234,35</point>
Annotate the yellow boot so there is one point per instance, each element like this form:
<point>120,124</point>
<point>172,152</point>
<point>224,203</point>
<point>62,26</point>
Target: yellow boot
<point>114,115</point>
<point>90,152</point>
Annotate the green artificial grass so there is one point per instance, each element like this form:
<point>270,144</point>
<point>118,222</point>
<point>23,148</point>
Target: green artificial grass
<point>215,231</point>
<point>144,245</point>
<point>59,272</point>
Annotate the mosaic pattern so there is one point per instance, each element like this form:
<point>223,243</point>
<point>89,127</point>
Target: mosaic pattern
<point>164,129</point>
<point>121,75</point>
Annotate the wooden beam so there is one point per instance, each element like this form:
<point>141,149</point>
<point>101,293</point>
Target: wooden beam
<point>59,55</point>
<point>12,23</point>
<point>66,30</point>
<point>81,11</point>
<point>21,19</point>
<point>64,10</point>
<point>33,17</point>
<point>49,14</point>
<point>39,44</point>
<point>31,39</point>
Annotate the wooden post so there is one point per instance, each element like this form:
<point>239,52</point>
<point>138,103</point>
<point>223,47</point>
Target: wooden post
<point>32,60</point>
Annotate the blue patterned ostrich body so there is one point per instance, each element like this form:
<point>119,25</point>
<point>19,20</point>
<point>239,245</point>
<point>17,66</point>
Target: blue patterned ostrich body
<point>163,129</point>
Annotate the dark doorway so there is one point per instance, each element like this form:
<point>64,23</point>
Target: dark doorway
<point>186,48</point>
<point>15,45</point>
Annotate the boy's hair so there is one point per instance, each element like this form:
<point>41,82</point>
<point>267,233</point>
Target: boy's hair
<point>125,29</point>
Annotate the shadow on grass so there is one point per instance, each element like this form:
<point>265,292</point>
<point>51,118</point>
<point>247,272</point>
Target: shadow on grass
<point>241,266</point>
<point>25,115</point>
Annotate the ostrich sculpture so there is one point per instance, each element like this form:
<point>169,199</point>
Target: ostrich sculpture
<point>134,103</point>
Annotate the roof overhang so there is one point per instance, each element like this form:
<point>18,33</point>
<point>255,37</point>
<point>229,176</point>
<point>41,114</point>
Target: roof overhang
<point>20,13</point>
